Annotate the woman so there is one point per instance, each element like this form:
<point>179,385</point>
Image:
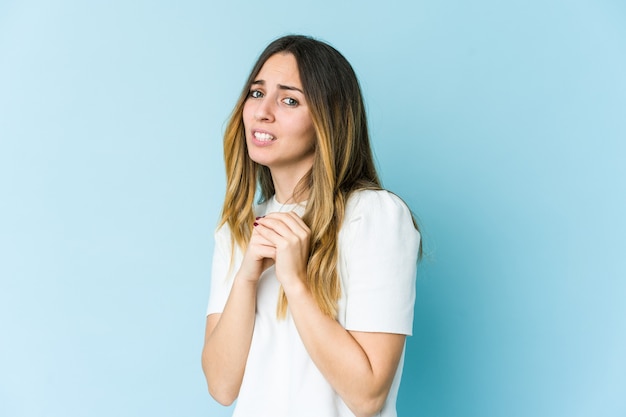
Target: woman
<point>312,290</point>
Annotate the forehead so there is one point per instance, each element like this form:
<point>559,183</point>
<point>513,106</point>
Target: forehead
<point>280,68</point>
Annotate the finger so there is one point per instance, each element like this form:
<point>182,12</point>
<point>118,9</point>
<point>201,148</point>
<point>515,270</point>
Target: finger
<point>259,239</point>
<point>262,251</point>
<point>267,252</point>
<point>271,235</point>
<point>297,222</point>
<point>293,223</point>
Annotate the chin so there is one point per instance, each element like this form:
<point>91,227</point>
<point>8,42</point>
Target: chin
<point>259,160</point>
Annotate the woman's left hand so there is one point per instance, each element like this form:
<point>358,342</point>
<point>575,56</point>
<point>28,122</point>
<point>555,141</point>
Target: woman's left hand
<point>291,238</point>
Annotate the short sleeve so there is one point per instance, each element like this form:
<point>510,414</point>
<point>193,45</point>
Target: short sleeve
<point>379,246</point>
<point>222,271</point>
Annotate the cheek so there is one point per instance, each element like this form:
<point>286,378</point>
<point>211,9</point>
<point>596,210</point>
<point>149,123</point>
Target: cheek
<point>247,114</point>
<point>308,132</point>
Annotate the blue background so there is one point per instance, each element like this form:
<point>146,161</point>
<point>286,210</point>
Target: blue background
<point>502,124</point>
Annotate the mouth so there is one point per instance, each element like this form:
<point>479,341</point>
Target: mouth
<point>262,136</point>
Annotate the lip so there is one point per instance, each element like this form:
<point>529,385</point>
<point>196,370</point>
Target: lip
<point>258,142</point>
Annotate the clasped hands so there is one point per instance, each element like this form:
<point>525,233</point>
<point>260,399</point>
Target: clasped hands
<point>281,239</point>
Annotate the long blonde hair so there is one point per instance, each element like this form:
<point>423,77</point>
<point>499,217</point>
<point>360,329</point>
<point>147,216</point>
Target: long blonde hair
<point>343,161</point>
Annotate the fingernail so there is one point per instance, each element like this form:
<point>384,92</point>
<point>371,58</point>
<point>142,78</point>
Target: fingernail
<point>257,218</point>
<point>255,224</point>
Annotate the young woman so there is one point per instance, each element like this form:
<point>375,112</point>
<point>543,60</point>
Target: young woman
<point>312,290</point>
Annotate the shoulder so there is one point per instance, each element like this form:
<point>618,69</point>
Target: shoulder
<point>222,237</point>
<point>378,215</point>
<point>375,202</point>
<point>378,250</point>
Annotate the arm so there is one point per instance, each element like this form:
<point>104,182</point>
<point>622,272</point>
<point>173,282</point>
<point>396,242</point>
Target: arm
<point>228,335</point>
<point>360,366</point>
<point>227,342</point>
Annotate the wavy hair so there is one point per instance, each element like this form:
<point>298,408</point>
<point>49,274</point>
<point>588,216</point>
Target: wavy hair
<point>343,161</point>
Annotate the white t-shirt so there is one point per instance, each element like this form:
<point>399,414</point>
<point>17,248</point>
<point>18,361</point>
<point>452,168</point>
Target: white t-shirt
<point>378,248</point>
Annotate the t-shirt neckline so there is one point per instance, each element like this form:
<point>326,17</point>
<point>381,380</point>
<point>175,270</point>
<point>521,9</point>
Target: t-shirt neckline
<point>276,206</point>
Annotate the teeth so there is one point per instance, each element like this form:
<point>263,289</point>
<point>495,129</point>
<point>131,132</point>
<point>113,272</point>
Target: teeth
<point>263,136</point>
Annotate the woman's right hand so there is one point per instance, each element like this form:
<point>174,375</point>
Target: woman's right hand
<point>259,256</point>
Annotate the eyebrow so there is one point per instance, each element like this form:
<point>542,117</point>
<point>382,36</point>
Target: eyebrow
<point>280,86</point>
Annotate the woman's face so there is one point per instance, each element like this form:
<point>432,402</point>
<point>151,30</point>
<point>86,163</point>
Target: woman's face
<point>278,125</point>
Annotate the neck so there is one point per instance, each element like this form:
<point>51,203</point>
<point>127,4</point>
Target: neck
<point>285,183</point>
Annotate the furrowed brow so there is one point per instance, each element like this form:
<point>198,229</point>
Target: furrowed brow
<point>290,88</point>
<point>280,86</point>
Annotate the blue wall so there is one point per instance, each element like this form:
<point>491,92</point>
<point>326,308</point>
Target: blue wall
<point>502,124</point>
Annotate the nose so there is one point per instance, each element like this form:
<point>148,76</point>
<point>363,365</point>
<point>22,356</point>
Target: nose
<point>264,110</point>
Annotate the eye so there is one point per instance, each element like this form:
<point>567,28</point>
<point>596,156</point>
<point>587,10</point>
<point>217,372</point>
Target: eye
<point>255,94</point>
<point>291,102</point>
